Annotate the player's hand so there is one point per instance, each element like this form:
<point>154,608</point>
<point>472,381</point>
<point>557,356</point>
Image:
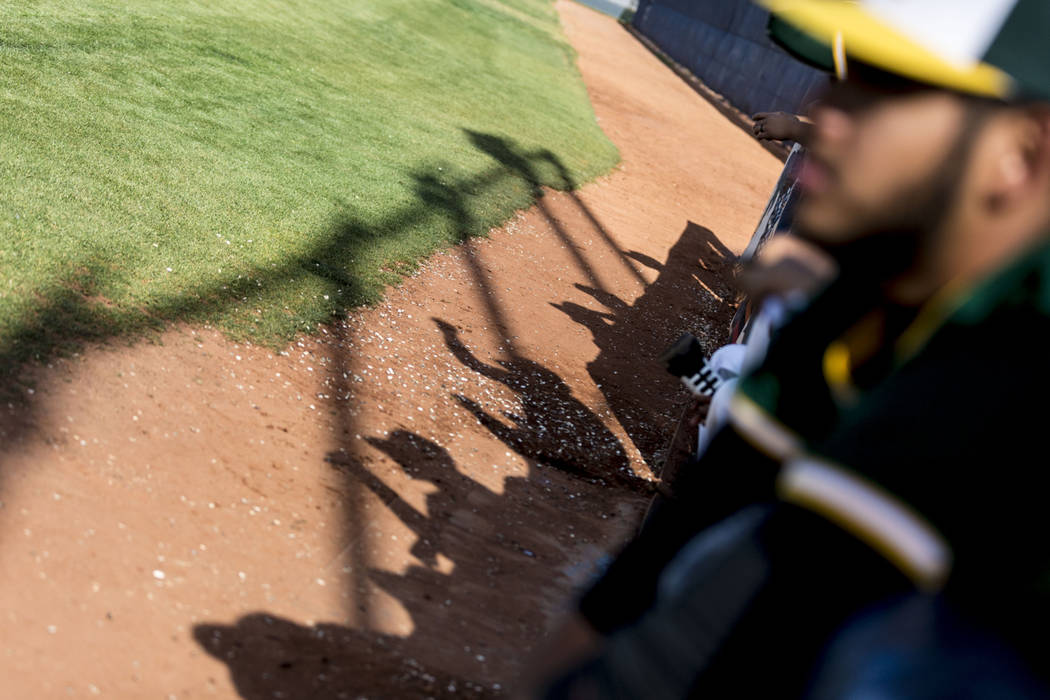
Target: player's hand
<point>776,125</point>
<point>697,411</point>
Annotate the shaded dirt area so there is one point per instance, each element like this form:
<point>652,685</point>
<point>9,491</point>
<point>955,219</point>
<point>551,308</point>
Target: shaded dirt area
<point>402,504</point>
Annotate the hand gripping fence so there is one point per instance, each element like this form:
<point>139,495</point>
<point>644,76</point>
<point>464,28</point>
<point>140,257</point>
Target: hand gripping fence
<point>685,360</point>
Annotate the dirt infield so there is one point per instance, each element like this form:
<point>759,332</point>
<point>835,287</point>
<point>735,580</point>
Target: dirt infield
<point>398,506</point>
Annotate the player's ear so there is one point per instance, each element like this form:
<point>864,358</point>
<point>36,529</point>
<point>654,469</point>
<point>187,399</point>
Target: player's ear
<point>1016,157</point>
<point>1036,141</point>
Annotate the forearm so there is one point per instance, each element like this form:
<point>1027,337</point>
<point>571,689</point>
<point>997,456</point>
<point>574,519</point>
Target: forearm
<point>802,133</point>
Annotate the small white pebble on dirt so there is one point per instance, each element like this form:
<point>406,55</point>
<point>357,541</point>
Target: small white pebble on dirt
<point>51,629</point>
<point>241,575</point>
<point>320,582</point>
<point>158,574</point>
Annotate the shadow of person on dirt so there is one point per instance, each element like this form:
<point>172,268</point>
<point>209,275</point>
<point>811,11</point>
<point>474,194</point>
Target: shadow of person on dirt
<point>504,564</point>
<point>552,426</point>
<point>464,520</point>
<point>272,657</point>
<point>555,428</point>
<point>692,292</point>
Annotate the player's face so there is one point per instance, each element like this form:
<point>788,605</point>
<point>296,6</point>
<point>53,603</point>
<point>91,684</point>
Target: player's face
<point>883,162</point>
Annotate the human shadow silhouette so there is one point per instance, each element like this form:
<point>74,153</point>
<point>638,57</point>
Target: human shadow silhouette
<point>500,586</point>
<point>553,427</point>
<point>273,657</point>
<point>692,292</point>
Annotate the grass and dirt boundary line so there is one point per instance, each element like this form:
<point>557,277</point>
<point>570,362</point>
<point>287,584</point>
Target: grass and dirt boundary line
<point>264,167</point>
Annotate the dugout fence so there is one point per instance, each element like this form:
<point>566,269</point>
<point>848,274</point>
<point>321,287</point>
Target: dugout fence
<point>724,44</point>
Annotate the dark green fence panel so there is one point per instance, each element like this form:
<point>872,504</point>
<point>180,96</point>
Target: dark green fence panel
<point>724,43</point>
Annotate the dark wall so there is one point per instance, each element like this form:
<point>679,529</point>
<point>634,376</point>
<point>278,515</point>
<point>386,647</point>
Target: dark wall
<point>724,43</point>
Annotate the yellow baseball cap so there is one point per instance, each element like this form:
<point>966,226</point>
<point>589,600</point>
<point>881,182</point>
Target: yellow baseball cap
<point>993,48</point>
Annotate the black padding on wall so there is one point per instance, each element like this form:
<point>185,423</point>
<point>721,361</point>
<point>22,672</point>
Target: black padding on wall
<point>724,43</point>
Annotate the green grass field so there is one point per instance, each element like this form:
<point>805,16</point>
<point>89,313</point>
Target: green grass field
<point>263,164</point>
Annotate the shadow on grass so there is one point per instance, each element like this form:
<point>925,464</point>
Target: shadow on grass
<point>72,311</point>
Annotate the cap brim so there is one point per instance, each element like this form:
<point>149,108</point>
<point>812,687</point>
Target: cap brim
<point>868,39</point>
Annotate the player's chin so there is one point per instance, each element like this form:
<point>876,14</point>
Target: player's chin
<point>818,221</point>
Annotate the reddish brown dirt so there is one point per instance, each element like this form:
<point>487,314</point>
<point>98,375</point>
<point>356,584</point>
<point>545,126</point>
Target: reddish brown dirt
<point>401,505</point>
